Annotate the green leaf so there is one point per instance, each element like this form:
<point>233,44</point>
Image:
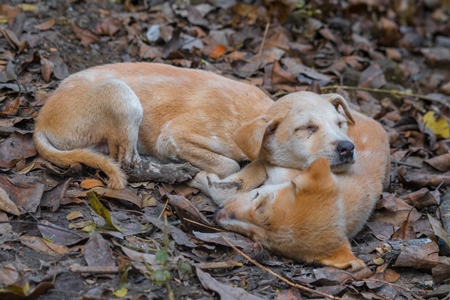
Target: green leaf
<point>161,256</point>
<point>99,209</point>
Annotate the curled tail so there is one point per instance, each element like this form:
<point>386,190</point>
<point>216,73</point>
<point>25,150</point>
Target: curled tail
<point>64,158</point>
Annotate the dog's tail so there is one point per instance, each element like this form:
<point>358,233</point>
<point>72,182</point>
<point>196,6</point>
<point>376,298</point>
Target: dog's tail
<point>64,158</point>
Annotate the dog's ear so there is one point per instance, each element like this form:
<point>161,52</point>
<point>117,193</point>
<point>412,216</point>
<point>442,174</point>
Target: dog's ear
<point>250,136</point>
<point>337,100</point>
<point>318,171</point>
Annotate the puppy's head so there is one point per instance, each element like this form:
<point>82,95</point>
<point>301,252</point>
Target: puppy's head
<point>298,129</point>
<point>288,218</point>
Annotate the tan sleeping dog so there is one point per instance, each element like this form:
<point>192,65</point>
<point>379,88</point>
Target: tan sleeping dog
<point>303,219</point>
<point>144,108</point>
<point>295,120</point>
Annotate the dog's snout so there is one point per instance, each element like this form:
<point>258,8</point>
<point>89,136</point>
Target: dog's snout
<point>345,149</point>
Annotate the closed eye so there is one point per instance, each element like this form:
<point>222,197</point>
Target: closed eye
<point>256,196</point>
<point>310,128</point>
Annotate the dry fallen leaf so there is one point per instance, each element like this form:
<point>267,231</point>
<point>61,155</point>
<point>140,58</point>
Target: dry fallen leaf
<point>46,25</point>
<point>225,291</point>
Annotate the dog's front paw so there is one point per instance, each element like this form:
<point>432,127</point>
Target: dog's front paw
<point>200,181</point>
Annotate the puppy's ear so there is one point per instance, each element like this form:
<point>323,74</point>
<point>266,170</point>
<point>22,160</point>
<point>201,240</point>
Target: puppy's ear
<point>250,136</point>
<point>337,100</point>
<point>317,172</point>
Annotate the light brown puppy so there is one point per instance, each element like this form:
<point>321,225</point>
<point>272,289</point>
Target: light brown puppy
<point>151,109</point>
<point>303,219</point>
<point>360,185</point>
<point>296,130</point>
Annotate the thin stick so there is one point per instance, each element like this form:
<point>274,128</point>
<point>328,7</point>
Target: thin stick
<point>300,287</point>
<point>203,225</point>
<point>263,41</point>
<point>392,92</point>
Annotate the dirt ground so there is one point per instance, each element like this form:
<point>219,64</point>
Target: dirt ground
<point>391,59</point>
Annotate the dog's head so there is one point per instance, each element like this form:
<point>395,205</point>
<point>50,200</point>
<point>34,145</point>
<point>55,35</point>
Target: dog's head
<point>301,219</point>
<point>299,128</point>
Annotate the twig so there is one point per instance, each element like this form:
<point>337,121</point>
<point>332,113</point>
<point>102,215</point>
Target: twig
<point>94,269</point>
<point>395,285</point>
<point>300,287</point>
<point>392,92</point>
<point>203,225</point>
<point>406,164</point>
<point>263,41</point>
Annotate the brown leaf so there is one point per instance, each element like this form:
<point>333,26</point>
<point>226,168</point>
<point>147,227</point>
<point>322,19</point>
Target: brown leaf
<point>24,195</point>
<point>11,108</point>
<point>46,68</point>
<point>146,51</point>
<point>280,76</point>
<point>217,52</point>
<point>124,194</point>
<point>402,212</point>
<point>226,292</point>
<point>437,56</point>
<point>60,69</point>
<point>405,232</point>
<point>87,37</point>
<point>391,276</point>
<point>420,180</point>
<point>41,245</point>
<point>418,257</point>
<point>12,39</point>
<point>372,77</point>
<point>91,183</point>
<point>46,25</point>
<point>389,34</point>
<point>247,11</point>
<point>441,162</point>
<point>422,198</point>
<point>388,202</point>
<point>441,273</point>
<point>381,230</point>
<point>7,205</point>
<point>16,147</point>
<point>187,212</point>
<point>439,230</point>
<point>58,235</point>
<point>291,294</point>
<point>52,198</point>
<point>97,251</point>
<point>109,26</point>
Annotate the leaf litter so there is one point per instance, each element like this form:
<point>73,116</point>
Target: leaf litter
<point>59,240</point>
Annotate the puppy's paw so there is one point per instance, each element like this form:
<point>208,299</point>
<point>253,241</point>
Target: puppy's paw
<point>356,265</point>
<point>200,181</point>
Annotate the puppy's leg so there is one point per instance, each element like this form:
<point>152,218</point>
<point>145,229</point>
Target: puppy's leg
<point>125,116</point>
<point>344,258</point>
<point>250,177</point>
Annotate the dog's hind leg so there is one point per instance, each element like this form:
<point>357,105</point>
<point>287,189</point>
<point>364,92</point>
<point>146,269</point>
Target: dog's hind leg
<point>124,114</point>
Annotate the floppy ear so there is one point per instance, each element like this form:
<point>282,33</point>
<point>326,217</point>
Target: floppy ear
<point>318,170</point>
<point>250,136</point>
<point>337,100</point>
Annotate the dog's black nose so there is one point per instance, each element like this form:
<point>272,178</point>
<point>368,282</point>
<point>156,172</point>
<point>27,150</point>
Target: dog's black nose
<point>345,150</point>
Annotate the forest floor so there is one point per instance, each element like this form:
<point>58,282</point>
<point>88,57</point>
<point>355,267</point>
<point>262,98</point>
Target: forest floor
<point>390,59</point>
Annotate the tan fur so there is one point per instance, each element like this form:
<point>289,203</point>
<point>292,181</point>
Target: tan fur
<point>302,219</point>
<point>360,183</point>
<point>144,108</point>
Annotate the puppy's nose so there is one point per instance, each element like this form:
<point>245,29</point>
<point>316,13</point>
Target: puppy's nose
<point>345,149</point>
